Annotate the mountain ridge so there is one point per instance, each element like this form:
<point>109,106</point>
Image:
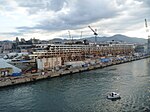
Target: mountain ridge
<point>118,37</point>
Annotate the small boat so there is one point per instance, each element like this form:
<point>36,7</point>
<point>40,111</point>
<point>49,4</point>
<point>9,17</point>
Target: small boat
<point>113,96</point>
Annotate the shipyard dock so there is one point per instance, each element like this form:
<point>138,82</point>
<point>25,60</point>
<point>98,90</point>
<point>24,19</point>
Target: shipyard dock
<point>10,81</point>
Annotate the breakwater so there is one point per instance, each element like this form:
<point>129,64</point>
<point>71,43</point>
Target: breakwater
<point>9,81</point>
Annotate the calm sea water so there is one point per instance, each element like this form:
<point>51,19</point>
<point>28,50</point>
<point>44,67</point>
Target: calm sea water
<point>84,92</point>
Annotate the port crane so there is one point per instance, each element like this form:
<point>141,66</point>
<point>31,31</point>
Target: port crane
<point>94,31</point>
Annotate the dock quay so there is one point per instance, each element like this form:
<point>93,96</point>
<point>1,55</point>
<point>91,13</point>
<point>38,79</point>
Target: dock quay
<point>26,78</point>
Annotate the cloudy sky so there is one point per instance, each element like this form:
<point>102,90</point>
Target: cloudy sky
<point>47,19</point>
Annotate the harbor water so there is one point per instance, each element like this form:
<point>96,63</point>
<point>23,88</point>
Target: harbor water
<point>84,92</point>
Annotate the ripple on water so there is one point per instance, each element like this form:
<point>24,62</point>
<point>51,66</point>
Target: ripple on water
<point>84,92</point>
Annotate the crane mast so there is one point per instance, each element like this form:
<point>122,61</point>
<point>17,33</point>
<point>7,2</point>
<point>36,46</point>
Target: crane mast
<point>81,35</point>
<point>70,37</point>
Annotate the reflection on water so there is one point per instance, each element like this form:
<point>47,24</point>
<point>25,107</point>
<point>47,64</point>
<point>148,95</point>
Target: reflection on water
<point>84,92</point>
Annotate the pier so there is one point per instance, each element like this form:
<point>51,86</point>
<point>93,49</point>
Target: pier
<point>10,81</point>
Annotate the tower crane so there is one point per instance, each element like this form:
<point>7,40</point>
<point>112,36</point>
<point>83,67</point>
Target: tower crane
<point>81,35</point>
<point>146,25</point>
<point>70,37</point>
<point>147,30</point>
<point>94,31</point>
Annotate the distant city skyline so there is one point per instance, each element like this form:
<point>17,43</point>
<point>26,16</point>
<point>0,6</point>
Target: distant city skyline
<point>47,19</point>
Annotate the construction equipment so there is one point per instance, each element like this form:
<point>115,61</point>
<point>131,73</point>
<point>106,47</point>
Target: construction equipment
<point>94,31</point>
<point>146,23</point>
<point>81,35</point>
<point>70,37</point>
<point>147,30</point>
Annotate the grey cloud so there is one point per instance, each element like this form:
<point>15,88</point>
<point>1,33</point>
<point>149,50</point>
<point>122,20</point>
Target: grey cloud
<point>87,11</point>
<point>145,2</point>
<point>81,13</point>
<point>34,6</point>
<point>6,6</point>
<point>55,25</point>
<point>12,33</point>
<point>120,2</point>
<point>57,5</point>
<point>20,32</point>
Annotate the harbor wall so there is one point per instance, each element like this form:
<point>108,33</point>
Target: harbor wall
<point>10,81</point>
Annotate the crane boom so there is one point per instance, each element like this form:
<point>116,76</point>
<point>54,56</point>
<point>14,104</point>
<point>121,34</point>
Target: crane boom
<point>93,31</point>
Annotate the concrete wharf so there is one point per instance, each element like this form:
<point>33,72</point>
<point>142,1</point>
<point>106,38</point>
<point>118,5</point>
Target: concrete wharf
<point>10,81</point>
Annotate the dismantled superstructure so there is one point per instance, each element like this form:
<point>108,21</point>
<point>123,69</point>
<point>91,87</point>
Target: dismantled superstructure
<point>79,52</point>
